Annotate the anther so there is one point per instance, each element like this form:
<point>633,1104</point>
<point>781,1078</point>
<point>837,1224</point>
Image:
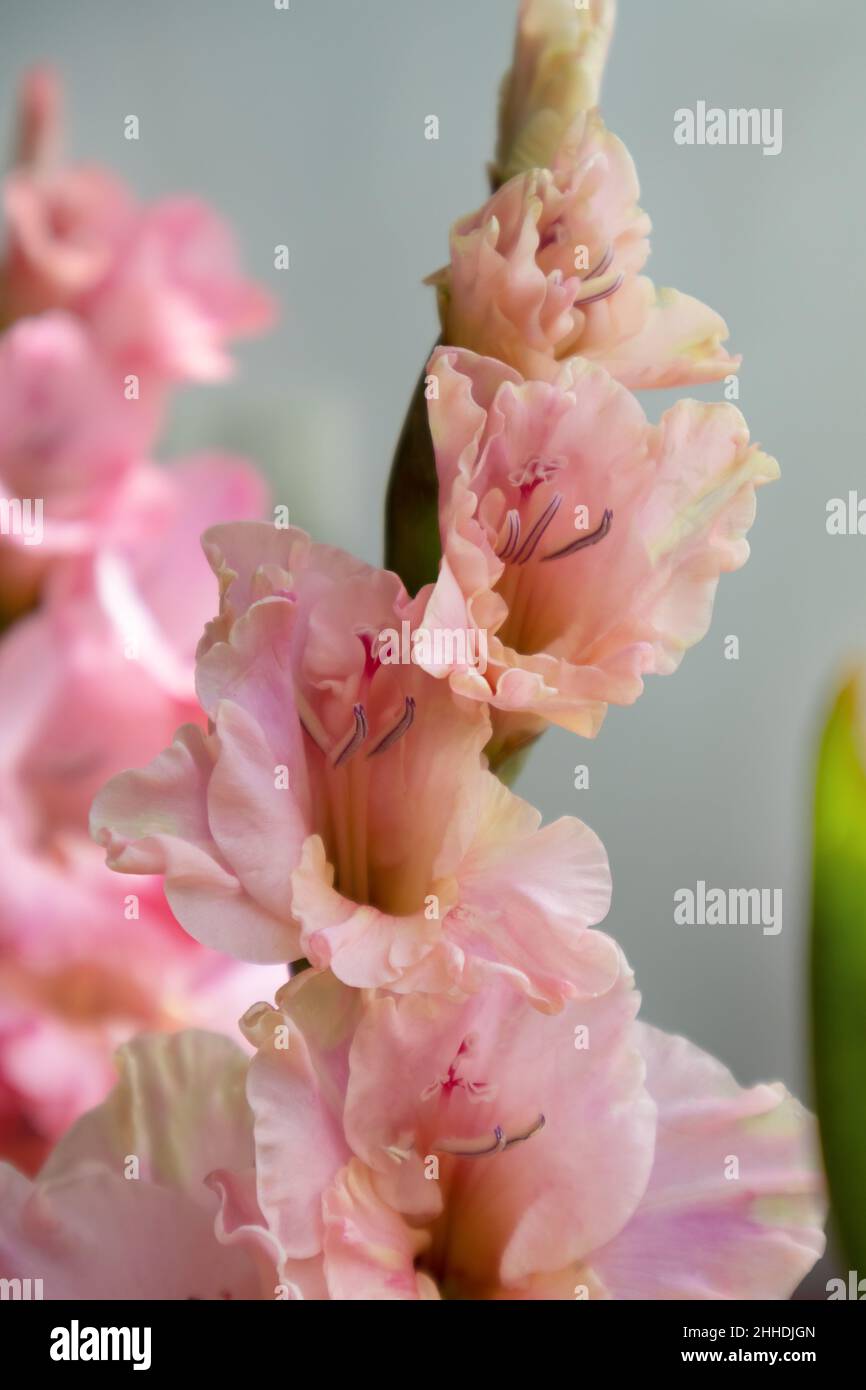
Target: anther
<point>400,728</point>
<point>473,1148</point>
<point>533,1129</point>
<point>527,550</point>
<point>482,1147</point>
<point>513,536</point>
<point>600,294</point>
<point>583,541</point>
<point>357,737</point>
<point>397,1154</point>
<point>602,266</point>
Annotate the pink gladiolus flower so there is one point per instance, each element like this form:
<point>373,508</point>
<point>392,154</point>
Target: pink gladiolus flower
<point>453,1097</point>
<point>92,1227</point>
<point>83,967</point>
<point>549,268</point>
<point>586,543</point>
<point>69,443</point>
<point>414,1149</point>
<point>99,677</point>
<point>394,1149</point>
<point>113,648</point>
<point>339,809</point>
<point>559,55</point>
<point>159,286</point>
<point>65,228</point>
<point>174,297</point>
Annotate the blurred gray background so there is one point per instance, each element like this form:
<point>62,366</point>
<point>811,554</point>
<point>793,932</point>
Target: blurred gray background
<point>306,127</point>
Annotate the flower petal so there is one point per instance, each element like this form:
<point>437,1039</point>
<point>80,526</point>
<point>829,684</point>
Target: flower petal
<point>734,1206</point>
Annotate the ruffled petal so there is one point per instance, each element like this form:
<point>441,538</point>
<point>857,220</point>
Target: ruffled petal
<point>734,1207</point>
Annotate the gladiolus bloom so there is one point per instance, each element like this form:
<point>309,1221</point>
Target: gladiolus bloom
<point>550,268</point>
<point>339,809</point>
<point>586,543</point>
<point>413,1149</point>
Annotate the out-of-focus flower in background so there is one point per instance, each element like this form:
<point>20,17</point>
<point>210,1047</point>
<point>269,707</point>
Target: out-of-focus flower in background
<point>71,447</point>
<point>159,286</point>
<point>178,1112</point>
<point>107,591</point>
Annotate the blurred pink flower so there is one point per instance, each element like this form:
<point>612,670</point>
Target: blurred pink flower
<point>95,1229</point>
<point>103,671</point>
<point>284,831</point>
<point>84,967</point>
<point>69,445</point>
<point>174,297</point>
<point>586,543</point>
<point>415,1149</point>
<point>96,679</point>
<point>549,268</point>
<point>65,228</point>
<point>159,286</point>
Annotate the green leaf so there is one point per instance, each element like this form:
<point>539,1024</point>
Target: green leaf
<point>412,547</point>
<point>839,968</point>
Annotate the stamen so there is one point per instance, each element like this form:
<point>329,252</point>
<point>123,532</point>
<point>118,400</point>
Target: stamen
<point>397,1154</point>
<point>513,536</point>
<point>602,266</point>
<point>592,539</point>
<point>527,550</point>
<point>600,294</point>
<point>482,1147</point>
<point>357,737</point>
<point>473,1148</point>
<point>533,1129</point>
<point>399,729</point>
